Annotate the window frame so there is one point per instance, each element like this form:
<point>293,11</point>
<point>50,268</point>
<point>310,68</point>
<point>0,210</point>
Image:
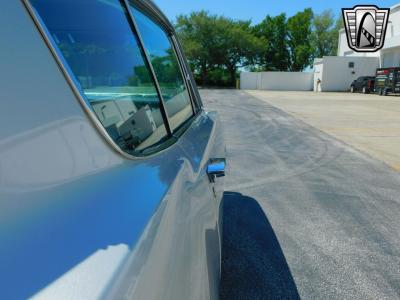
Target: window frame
<point>172,137</point>
<point>196,95</point>
<point>155,14</point>
<point>183,71</point>
<point>186,73</point>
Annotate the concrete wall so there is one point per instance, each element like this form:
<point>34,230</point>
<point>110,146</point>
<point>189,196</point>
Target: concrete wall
<point>277,81</point>
<point>390,57</point>
<point>336,76</point>
<point>249,80</point>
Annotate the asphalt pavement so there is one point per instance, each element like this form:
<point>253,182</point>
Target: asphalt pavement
<point>369,123</point>
<point>306,216</point>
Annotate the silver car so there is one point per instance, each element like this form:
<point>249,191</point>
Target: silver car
<point>110,169</point>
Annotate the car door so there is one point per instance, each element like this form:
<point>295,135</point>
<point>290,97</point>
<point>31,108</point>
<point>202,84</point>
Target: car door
<point>106,192</point>
<point>359,83</point>
<point>365,83</point>
<point>193,247</point>
<point>355,84</point>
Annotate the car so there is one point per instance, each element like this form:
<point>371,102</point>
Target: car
<point>364,84</point>
<point>387,81</point>
<point>111,169</point>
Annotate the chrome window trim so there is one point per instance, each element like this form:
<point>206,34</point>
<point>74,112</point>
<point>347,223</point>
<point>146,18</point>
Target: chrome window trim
<point>75,86</point>
<point>170,36</point>
<point>185,75</point>
<point>186,71</point>
<point>197,97</point>
<point>67,72</point>
<point>154,13</point>
<point>148,61</point>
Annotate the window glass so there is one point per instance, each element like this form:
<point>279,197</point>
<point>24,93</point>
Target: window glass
<point>167,69</point>
<point>97,42</point>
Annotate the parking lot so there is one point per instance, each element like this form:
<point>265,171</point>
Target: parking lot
<point>370,123</point>
<point>312,204</point>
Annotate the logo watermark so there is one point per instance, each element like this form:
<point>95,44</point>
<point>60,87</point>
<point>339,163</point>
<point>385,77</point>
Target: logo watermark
<point>366,27</point>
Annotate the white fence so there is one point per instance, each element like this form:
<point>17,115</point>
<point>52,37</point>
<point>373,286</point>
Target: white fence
<point>277,81</point>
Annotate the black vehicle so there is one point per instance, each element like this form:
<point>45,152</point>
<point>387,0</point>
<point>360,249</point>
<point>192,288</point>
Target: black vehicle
<point>387,81</point>
<point>364,84</point>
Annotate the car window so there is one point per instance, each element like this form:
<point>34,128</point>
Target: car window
<point>167,69</point>
<point>97,42</point>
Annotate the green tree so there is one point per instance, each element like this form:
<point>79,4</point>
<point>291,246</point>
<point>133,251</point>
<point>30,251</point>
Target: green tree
<point>201,38</point>
<point>299,30</point>
<point>216,46</point>
<point>273,32</point>
<point>325,34</point>
<point>335,35</point>
<point>213,42</point>
<point>240,46</point>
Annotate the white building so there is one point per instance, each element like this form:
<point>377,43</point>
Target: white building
<point>335,73</point>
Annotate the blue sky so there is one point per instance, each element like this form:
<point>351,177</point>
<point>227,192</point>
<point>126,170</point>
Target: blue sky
<point>256,10</point>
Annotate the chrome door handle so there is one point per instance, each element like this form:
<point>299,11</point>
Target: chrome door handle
<point>216,168</point>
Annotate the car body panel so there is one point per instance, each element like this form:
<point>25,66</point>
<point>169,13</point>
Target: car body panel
<point>79,220</point>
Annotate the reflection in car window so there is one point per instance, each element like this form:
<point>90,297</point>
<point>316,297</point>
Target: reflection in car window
<point>167,69</point>
<point>99,46</point>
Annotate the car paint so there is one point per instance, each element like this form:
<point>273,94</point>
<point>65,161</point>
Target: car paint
<point>79,220</point>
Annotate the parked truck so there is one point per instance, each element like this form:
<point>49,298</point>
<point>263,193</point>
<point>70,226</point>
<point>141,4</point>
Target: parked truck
<point>364,84</point>
<point>387,81</point>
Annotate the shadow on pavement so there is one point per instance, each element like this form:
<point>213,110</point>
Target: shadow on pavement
<point>253,264</point>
